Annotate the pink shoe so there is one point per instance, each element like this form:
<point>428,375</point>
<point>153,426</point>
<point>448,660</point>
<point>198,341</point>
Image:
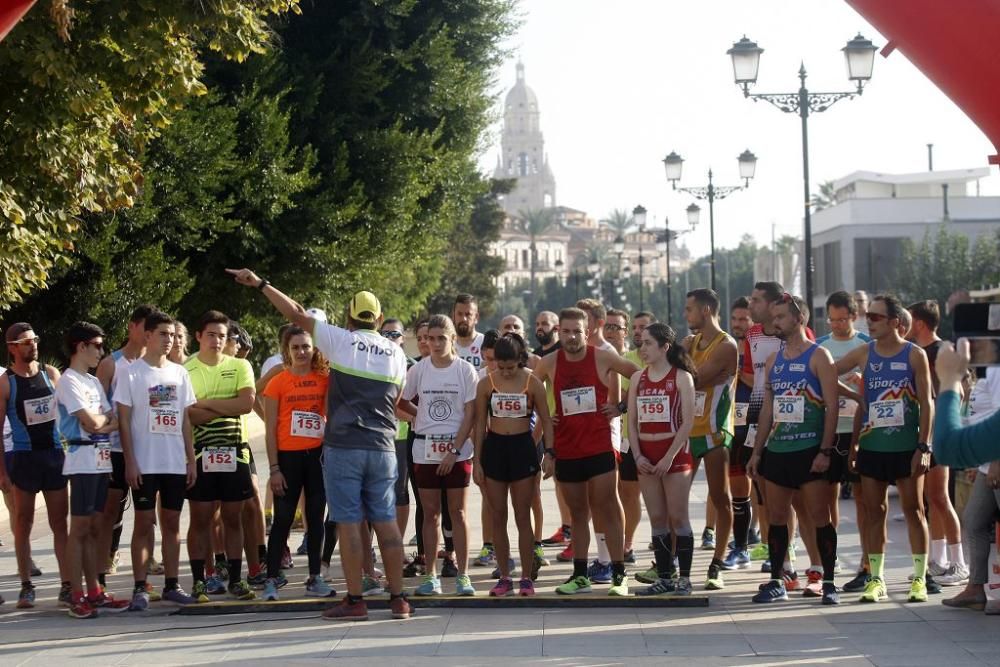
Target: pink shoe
<point>503,588</point>
<point>527,588</point>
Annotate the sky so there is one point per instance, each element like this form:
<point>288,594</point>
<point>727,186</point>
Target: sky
<point>621,84</point>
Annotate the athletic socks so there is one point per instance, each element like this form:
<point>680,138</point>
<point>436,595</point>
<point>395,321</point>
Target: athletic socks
<point>579,567</point>
<point>777,547</point>
<point>197,569</point>
<point>603,555</point>
<point>956,556</point>
<point>876,565</point>
<point>235,570</point>
<point>169,584</point>
<point>919,565</point>
<point>618,568</point>
<point>741,522</point>
<point>826,541</point>
<point>685,553</point>
<point>939,552</point>
<point>663,556</point>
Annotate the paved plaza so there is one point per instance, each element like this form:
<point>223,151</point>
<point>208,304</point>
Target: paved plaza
<point>730,631</point>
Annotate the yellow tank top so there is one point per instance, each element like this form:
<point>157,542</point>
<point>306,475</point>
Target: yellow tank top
<point>713,406</point>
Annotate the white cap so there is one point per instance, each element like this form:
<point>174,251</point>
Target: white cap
<point>317,314</point>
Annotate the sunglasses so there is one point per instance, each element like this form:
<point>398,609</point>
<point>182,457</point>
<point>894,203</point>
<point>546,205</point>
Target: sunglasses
<point>26,341</point>
<point>839,320</point>
<point>392,335</point>
<point>876,317</point>
<point>790,300</point>
<point>93,345</point>
<point>614,327</point>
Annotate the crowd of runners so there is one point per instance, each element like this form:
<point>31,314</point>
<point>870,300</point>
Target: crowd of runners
<point>616,409</point>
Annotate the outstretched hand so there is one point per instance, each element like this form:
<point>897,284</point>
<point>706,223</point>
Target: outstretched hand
<point>245,277</point>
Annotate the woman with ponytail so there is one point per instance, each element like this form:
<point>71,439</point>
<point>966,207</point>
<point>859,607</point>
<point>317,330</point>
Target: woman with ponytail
<point>661,414</point>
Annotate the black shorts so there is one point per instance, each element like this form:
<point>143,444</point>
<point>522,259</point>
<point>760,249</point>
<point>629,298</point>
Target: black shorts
<point>117,480</point>
<point>585,469</point>
<point>227,487</point>
<point>627,470</point>
<point>790,469</point>
<point>87,493</point>
<point>36,470</point>
<point>402,475</point>
<point>509,458</point>
<point>740,454</point>
<point>170,488</point>
<point>885,466</point>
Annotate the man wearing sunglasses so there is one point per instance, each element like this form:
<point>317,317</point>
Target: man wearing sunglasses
<point>892,442</point>
<point>35,463</point>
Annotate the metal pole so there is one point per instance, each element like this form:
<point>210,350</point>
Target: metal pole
<point>711,227</point>
<point>640,276</point>
<point>804,113</point>
<point>669,298</point>
<point>725,260</point>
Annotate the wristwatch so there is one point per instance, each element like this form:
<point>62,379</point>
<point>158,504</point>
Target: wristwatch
<point>551,452</point>
<point>452,450</point>
<point>623,407</point>
<point>826,451</point>
<point>924,447</point>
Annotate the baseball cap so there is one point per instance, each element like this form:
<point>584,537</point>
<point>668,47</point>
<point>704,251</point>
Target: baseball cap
<point>317,314</point>
<point>365,307</point>
<point>16,331</point>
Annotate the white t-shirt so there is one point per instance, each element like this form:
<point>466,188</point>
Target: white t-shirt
<point>472,353</point>
<point>443,394</point>
<point>8,443</point>
<point>121,365</point>
<point>271,362</point>
<point>158,398</point>
<point>984,401</point>
<point>616,423</point>
<point>74,392</point>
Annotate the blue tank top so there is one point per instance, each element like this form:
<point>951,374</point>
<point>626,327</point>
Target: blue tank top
<point>32,413</point>
<point>798,412</point>
<point>892,413</point>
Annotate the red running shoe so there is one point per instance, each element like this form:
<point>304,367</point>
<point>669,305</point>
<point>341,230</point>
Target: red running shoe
<point>345,611</point>
<point>566,555</point>
<point>560,537</point>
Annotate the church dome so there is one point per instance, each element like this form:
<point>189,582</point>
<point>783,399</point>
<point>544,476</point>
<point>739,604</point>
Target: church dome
<point>521,97</point>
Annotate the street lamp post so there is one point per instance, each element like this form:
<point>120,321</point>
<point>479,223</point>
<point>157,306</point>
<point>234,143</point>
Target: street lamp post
<point>663,245</point>
<point>673,164</point>
<point>859,54</point>
<point>619,248</point>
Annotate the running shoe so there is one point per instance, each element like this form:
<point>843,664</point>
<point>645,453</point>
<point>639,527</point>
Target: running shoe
<point>286,559</point>
<point>222,569</point>
<point>140,599</point>
<point>35,570</point>
<point>933,587</point>
<point>772,591</point>
<point>619,586</point>
<point>599,573</point>
<point>463,585</point>
<point>177,596</point>
<point>935,569</point>
<point>257,580</point>
<point>875,591</point>
<point>714,581</point>
<point>303,547</point>
<point>659,587</point>
<point>536,565</point>
<point>791,579</point>
<point>708,539</point>
<point>81,609</point>
<point>241,590</point>
<point>765,567</point>
<point>503,588</point>
<point>65,598</point>
<point>107,602</point>
<point>400,607</point>
<point>858,583</point>
<point>345,611</point>
<point>574,586</point>
<point>918,590</point>
<point>511,567</point>
<point>431,585</point>
<point>560,537</point>
<point>215,586</point>
<point>814,583</point>
<point>317,587</point>
<point>526,588</point>
<point>371,586</point>
<point>540,552</point>
<point>486,558</point>
<point>154,567</point>
<point>630,556</point>
<point>830,595</point>
<point>415,568</point>
<point>26,598</point>
<point>199,593</point>
<point>113,562</point>
<point>736,559</point>
<point>953,576</point>
<point>270,592</point>
<point>448,568</point>
<point>682,586</point>
<point>760,552</point>
<point>650,576</point>
<point>566,555</point>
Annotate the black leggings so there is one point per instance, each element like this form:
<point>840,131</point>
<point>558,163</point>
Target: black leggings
<point>302,470</point>
<point>418,518</point>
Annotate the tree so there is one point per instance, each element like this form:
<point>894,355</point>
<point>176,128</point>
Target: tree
<point>825,197</point>
<point>82,99</point>
<point>620,221</point>
<point>535,223</point>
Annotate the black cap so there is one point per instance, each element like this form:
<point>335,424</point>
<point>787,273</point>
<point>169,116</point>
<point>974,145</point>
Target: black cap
<point>15,331</point>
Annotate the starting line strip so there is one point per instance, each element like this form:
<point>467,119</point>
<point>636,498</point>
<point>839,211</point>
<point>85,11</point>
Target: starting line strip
<point>451,601</point>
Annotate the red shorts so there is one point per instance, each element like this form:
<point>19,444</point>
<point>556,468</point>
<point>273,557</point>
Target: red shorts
<point>654,450</point>
<point>425,476</point>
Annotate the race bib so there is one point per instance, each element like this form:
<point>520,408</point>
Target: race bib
<point>790,409</point>
<point>699,403</point>
<point>883,414</point>
<point>846,407</point>
<point>436,446</point>
<point>578,401</point>
<point>218,459</point>
<point>751,435</point>
<point>307,424</point>
<point>509,405</point>
<point>40,410</point>
<point>653,409</point>
<point>165,421</point>
<point>102,457</point>
<point>740,411</point>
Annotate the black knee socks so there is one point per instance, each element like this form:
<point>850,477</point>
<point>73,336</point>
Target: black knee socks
<point>826,540</point>
<point>685,553</point>
<point>663,554</point>
<point>741,522</point>
<point>777,546</point>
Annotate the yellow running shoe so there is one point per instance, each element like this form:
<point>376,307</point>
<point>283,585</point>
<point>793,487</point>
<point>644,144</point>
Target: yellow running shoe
<point>874,591</point>
<point>619,586</point>
<point>918,590</point>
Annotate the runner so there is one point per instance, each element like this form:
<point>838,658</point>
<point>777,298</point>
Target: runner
<point>224,388</point>
<point>153,396</point>
<point>585,382</point>
<point>85,420</point>
<point>798,421</point>
<point>468,341</point>
<point>715,357</point>
<point>661,411</point>
<point>892,443</point>
<point>506,459</point>
<point>442,449</point>
<point>35,463</point>
<point>179,350</point>
<point>295,410</point>
<point>842,312</point>
<point>359,458</point>
<point>546,333</point>
<point>947,565</point>
<point>615,330</point>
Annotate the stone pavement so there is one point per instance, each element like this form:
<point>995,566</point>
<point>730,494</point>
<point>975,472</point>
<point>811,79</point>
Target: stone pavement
<point>731,631</point>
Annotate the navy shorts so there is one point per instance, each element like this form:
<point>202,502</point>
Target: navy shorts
<point>36,470</point>
<point>87,493</point>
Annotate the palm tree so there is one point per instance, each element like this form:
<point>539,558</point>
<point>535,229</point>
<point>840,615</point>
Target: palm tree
<point>620,221</point>
<point>826,197</point>
<point>535,223</point>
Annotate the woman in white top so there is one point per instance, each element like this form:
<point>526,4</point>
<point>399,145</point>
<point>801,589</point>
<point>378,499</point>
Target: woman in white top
<point>442,449</point>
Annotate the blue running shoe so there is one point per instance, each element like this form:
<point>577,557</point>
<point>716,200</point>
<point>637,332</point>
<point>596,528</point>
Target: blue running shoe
<point>736,559</point>
<point>270,593</point>
<point>214,586</point>
<point>599,573</point>
<point>765,567</point>
<point>316,587</point>
<point>431,585</point>
<point>772,591</point>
